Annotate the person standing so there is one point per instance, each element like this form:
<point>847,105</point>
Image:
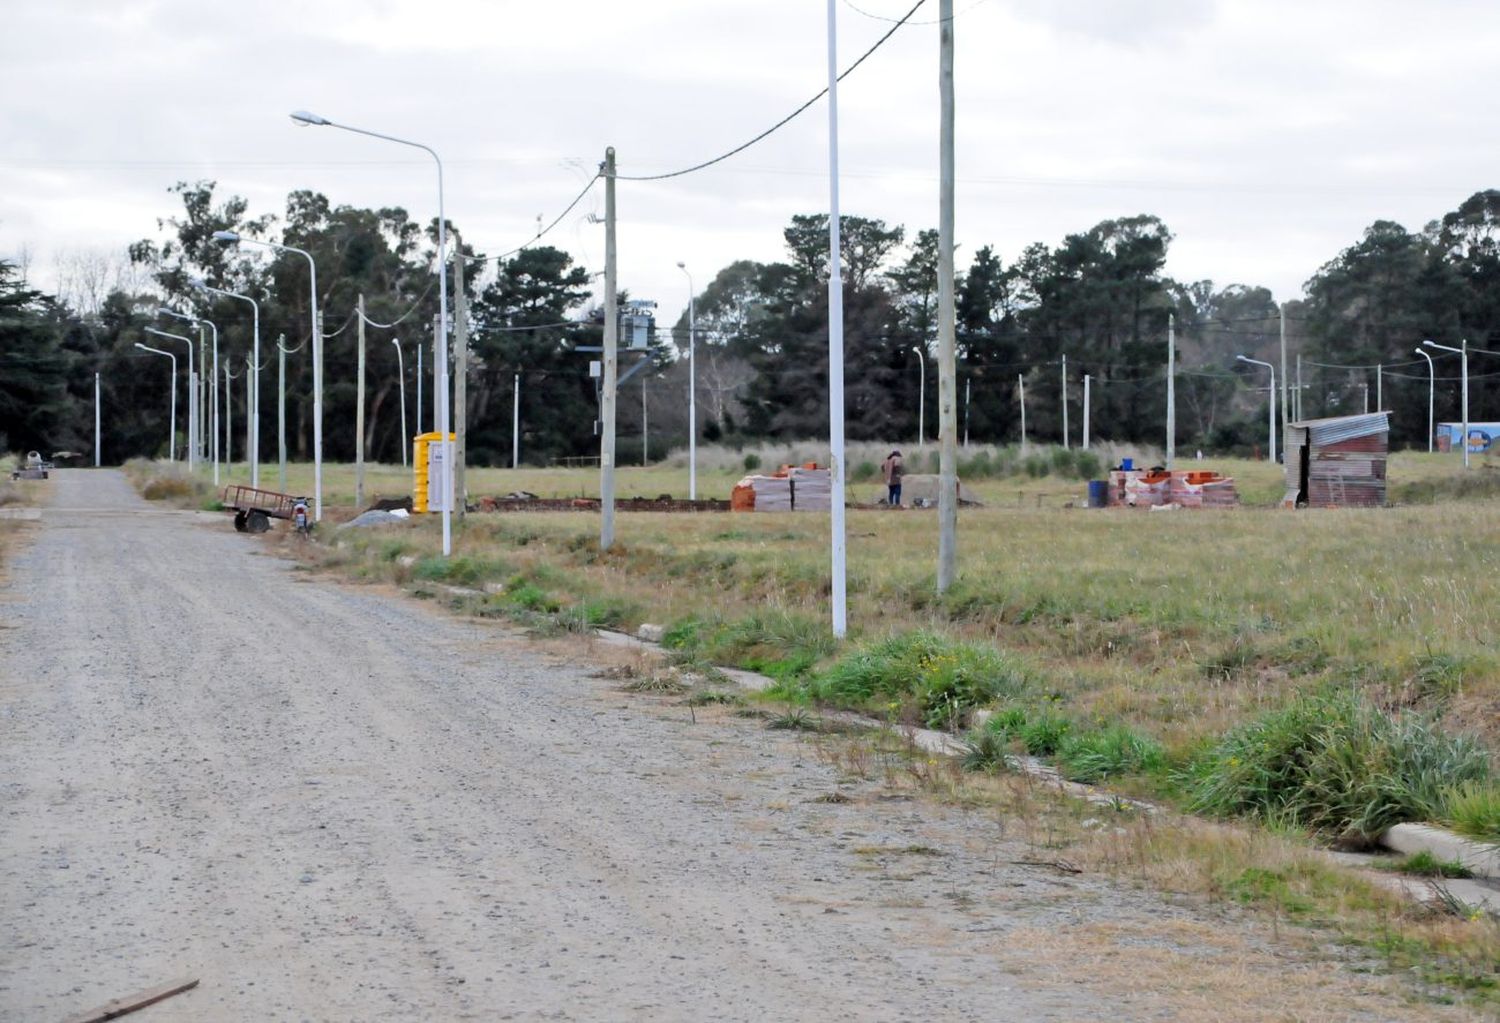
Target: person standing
<point>892,470</point>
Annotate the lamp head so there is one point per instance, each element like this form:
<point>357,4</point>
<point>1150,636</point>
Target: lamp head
<point>139,345</point>
<point>681,265</point>
<point>198,283</point>
<point>1428,344</point>
<point>304,118</point>
<point>228,237</point>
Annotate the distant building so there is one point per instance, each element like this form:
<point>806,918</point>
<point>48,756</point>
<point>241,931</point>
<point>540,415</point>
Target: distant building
<point>1482,436</point>
<point>1337,463</point>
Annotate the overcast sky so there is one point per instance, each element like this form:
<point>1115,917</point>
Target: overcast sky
<point>1267,134</point>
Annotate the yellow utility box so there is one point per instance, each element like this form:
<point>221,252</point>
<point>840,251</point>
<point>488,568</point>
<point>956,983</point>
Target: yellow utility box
<point>427,459</point>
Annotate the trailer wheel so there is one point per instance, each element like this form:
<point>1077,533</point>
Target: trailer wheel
<point>239,522</point>
<point>258,522</point>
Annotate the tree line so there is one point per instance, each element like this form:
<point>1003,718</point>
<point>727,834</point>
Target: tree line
<point>1099,298</point>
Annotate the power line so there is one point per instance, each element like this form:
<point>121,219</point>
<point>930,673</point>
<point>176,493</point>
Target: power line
<point>544,231</point>
<point>881,17</point>
<point>781,123</point>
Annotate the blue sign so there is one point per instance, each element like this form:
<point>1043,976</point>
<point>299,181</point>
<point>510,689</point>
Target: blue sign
<point>1482,436</point>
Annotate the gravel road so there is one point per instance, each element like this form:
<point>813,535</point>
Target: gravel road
<point>335,802</point>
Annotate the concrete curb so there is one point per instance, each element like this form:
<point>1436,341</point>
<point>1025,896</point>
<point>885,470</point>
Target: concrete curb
<point>926,739</point>
<point>1483,860</point>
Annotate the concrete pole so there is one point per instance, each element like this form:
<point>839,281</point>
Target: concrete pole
<point>419,385</point>
<point>1065,401</point>
<point>1086,379</point>
<point>1285,408</point>
<point>1465,357</point>
<point>281,412</point>
<point>1379,387</point>
<point>1299,388</point>
<point>251,386</point>
<point>645,432</point>
<point>1171,388</point>
<point>947,570</point>
<point>968,383</point>
<point>359,410</point>
<point>460,382</point>
<point>611,364</point>
<point>1021,400</point>
<point>837,539</point>
<point>515,425</point>
<point>97,420</point>
<point>228,418</point>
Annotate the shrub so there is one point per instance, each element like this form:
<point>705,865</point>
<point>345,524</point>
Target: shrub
<point>1424,864</point>
<point>1087,465</point>
<point>1043,735</point>
<point>1094,756</point>
<point>752,462</point>
<point>1336,765</point>
<point>1473,809</point>
<point>1008,723</point>
<point>984,750</point>
<point>1062,461</point>
<point>946,678</point>
<point>1036,466</point>
<point>864,472</point>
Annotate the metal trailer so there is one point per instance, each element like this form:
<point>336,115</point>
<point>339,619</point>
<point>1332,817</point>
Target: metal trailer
<point>254,508</point>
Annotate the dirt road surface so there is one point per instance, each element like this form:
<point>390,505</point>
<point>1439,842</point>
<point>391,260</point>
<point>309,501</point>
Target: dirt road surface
<point>330,802</point>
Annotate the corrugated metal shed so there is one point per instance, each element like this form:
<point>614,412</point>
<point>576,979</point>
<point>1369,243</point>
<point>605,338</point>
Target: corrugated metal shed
<point>1339,462</point>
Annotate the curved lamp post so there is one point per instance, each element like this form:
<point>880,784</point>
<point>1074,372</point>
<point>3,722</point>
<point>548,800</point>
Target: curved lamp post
<point>234,237</point>
<point>1258,362</point>
<point>401,378</point>
<point>921,397</point>
<point>254,450</point>
<point>213,391</point>
<point>1431,386</point>
<point>1464,352</point>
<point>445,424</point>
<point>193,411</point>
<point>172,422</point>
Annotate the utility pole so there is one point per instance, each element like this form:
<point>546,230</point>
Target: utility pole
<point>947,329</point>
<point>1086,379</point>
<point>515,426</point>
<point>837,540</point>
<point>1285,408</point>
<point>281,411</point>
<point>1021,400</point>
<point>461,382</point>
<point>252,402</point>
<point>1171,388</point>
<point>1065,400</point>
<point>359,411</point>
<point>1299,388</point>
<point>645,432</point>
<point>968,383</point>
<point>228,421</point>
<point>419,384</point>
<point>611,364</point>
<point>1379,387</point>
<point>96,417</point>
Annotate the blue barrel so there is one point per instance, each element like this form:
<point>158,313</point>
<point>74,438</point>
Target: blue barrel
<point>1098,494</point>
<point>1127,464</point>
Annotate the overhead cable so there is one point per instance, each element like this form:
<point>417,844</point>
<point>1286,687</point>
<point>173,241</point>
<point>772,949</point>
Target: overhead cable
<point>781,123</point>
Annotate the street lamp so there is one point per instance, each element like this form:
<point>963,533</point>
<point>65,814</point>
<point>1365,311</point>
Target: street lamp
<point>254,385</point>
<point>234,237</point>
<point>445,425</point>
<point>172,422</point>
<point>1464,352</point>
<point>193,410</point>
<point>401,377</point>
<point>1431,385</point>
<point>692,387</point>
<point>213,390</point>
<point>1258,362</point>
<point>921,396</point>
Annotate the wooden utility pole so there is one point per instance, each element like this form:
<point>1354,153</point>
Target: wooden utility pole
<point>1066,445</point>
<point>947,348</point>
<point>460,381</point>
<point>359,412</point>
<point>611,365</point>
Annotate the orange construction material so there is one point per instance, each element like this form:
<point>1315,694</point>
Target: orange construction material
<point>742,498</point>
